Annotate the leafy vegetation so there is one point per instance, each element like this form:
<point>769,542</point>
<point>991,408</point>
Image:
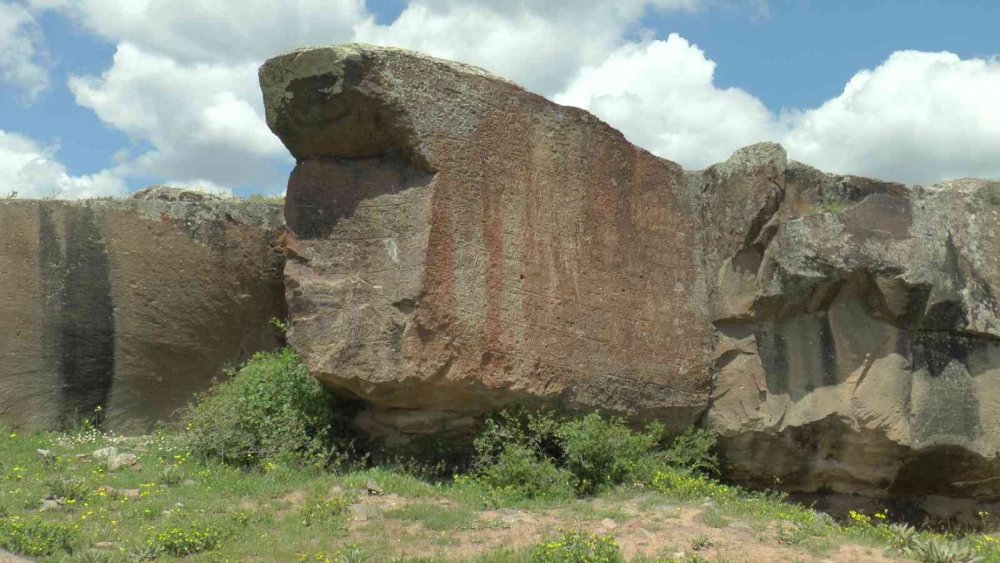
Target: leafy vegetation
<point>35,537</point>
<point>536,455</point>
<point>249,478</point>
<point>271,409</point>
<point>576,547</point>
<point>834,206</point>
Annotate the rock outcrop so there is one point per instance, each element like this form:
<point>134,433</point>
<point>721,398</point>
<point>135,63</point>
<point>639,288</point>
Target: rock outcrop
<point>121,310</point>
<point>858,344</point>
<point>458,244</point>
<point>461,244</point>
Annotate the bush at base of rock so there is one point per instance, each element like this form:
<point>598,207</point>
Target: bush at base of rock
<point>535,455</point>
<point>602,452</point>
<point>518,471</point>
<point>271,409</point>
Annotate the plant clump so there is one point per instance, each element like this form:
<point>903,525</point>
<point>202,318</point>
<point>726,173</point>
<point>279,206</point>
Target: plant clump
<point>271,409</point>
<point>574,547</point>
<point>536,455</point>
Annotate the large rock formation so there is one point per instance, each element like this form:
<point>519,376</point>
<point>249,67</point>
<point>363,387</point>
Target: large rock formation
<point>462,244</point>
<point>126,308</point>
<point>859,338</point>
<point>459,244</point>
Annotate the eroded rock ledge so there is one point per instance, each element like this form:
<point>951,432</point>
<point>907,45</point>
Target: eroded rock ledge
<point>460,244</point>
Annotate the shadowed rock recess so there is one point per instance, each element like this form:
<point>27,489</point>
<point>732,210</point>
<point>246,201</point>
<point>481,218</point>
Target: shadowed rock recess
<point>458,244</point>
<point>118,311</point>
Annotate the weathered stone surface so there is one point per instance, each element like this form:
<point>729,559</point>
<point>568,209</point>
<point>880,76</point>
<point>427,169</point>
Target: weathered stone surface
<point>164,193</point>
<point>129,307</point>
<point>858,344</point>
<point>460,243</point>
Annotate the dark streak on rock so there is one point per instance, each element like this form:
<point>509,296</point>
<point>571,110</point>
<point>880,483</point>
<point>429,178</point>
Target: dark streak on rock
<point>79,312</point>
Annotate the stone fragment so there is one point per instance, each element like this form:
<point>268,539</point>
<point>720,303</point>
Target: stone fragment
<point>50,504</point>
<point>46,456</point>
<point>164,193</point>
<point>121,461</point>
<point>104,453</point>
<point>364,512</point>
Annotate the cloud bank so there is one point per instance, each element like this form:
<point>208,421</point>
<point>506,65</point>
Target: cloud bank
<point>22,57</point>
<point>182,85</point>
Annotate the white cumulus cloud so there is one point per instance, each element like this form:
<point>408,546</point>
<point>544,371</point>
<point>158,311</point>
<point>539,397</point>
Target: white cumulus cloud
<point>183,78</point>
<point>918,117</point>
<point>538,43</point>
<point>204,121</point>
<point>182,84</point>
<point>28,170</point>
<point>22,56</point>
<point>662,96</point>
<point>213,30</point>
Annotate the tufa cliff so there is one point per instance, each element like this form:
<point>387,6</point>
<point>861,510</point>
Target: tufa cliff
<point>120,310</point>
<point>459,244</point>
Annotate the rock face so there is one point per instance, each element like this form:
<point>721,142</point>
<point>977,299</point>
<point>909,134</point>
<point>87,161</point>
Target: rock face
<point>462,244</point>
<point>859,338</point>
<point>128,307</point>
<point>458,244</point>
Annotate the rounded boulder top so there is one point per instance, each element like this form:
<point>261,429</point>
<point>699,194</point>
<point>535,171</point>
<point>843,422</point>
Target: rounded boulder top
<point>164,193</point>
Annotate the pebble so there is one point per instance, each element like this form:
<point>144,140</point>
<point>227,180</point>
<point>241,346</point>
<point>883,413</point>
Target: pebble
<point>104,453</point>
<point>119,461</point>
<point>50,504</point>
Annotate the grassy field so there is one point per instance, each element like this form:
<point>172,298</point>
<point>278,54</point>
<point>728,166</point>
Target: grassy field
<point>65,504</point>
<point>265,468</point>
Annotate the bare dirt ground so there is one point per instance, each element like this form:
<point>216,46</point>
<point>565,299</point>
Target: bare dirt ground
<point>644,531</point>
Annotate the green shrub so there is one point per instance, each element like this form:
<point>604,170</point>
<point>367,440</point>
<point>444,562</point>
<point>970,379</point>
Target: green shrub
<point>180,541</point>
<point>271,408</point>
<point>694,450</point>
<point>602,452</point>
<point>68,489</point>
<point>534,454</point>
<point>171,475</point>
<point>35,537</point>
<point>536,431</point>
<point>940,550</point>
<point>521,473</point>
<point>189,533</point>
<point>326,511</point>
<point>576,547</point>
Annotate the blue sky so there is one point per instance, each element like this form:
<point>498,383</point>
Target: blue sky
<point>107,96</point>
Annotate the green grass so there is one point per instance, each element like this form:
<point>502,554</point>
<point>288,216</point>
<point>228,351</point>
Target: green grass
<point>205,510</point>
<point>265,469</point>
<point>436,517</point>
